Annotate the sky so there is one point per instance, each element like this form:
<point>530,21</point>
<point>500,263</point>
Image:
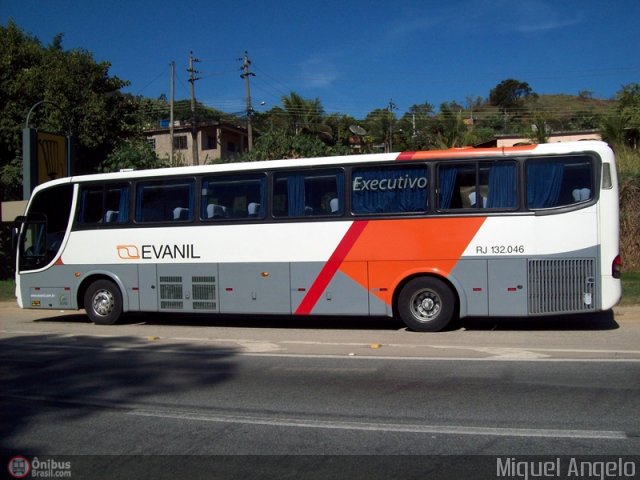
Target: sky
<point>355,56</point>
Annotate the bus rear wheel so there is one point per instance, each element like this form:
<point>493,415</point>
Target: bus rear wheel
<point>103,302</point>
<point>426,304</point>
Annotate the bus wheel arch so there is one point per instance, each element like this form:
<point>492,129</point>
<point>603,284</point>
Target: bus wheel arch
<point>426,302</point>
<point>102,298</point>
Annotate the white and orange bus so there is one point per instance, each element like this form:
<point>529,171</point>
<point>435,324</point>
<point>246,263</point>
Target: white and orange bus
<point>426,236</point>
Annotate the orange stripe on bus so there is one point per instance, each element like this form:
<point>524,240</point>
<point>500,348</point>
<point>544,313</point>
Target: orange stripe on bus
<point>395,249</point>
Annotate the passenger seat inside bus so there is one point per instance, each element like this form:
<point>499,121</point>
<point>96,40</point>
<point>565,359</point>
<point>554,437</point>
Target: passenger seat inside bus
<point>253,209</point>
<point>111,216</point>
<point>475,199</point>
<point>216,211</point>
<point>581,194</point>
<point>181,213</point>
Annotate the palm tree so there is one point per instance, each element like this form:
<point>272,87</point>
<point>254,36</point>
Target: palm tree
<point>614,128</point>
<point>380,124</point>
<point>305,116</point>
<point>539,131</point>
<point>451,129</point>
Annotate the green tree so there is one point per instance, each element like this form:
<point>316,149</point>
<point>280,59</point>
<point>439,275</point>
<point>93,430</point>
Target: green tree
<point>88,102</point>
<point>629,107</point>
<point>614,128</point>
<point>133,153</point>
<point>540,129</point>
<point>415,126</point>
<point>339,125</point>
<point>629,97</point>
<point>306,116</point>
<point>281,145</point>
<point>380,124</point>
<point>451,130</point>
<point>509,93</point>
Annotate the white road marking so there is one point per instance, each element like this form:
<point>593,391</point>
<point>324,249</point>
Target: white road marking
<point>276,421</point>
<point>386,427</point>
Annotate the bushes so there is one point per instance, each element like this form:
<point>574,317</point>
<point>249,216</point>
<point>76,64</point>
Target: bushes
<point>630,223</point>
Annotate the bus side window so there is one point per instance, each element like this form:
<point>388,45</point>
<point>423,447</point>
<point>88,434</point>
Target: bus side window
<point>91,205</point>
<point>390,189</point>
<point>558,182</point>
<point>116,204</point>
<point>473,185</point>
<point>103,204</point>
<point>233,197</point>
<point>166,200</point>
<point>306,194</point>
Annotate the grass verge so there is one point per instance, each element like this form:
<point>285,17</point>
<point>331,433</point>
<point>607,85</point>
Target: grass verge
<point>630,288</point>
<point>7,290</point>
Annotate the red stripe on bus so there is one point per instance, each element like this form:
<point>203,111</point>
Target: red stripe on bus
<point>330,268</point>
<point>406,156</point>
<point>462,152</point>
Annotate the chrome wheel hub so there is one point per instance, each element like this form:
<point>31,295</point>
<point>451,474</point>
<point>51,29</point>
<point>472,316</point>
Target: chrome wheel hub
<point>103,302</point>
<point>425,305</point>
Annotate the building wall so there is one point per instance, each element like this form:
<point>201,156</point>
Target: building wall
<point>214,142</point>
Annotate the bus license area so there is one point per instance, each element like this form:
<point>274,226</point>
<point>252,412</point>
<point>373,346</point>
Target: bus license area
<point>500,249</point>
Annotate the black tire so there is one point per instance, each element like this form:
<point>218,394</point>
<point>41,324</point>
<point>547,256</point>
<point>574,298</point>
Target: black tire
<point>103,302</point>
<point>426,304</point>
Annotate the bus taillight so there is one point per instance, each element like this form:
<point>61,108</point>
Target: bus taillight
<point>616,267</point>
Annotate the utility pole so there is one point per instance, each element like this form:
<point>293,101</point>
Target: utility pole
<point>194,127</point>
<point>246,74</point>
<point>391,108</point>
<point>171,102</point>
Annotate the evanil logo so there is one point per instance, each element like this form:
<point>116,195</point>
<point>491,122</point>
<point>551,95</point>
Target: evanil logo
<point>157,252</point>
<point>128,252</point>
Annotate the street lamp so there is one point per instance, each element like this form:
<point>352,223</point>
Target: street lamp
<point>55,148</point>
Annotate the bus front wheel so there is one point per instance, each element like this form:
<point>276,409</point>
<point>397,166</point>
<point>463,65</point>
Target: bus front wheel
<point>103,302</point>
<point>426,304</point>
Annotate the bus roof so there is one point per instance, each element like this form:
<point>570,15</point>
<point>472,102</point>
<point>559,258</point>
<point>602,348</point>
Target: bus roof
<point>426,155</point>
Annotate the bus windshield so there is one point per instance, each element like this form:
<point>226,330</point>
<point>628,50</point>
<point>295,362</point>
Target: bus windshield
<point>44,227</point>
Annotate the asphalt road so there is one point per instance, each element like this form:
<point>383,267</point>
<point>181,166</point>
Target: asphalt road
<point>162,385</point>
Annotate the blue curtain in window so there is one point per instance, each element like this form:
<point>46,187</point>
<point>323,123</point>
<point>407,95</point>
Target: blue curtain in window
<point>390,190</point>
<point>82,214</point>
<point>447,184</point>
<point>295,195</point>
<point>123,207</point>
<point>502,186</point>
<point>544,180</point>
<point>139,196</point>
